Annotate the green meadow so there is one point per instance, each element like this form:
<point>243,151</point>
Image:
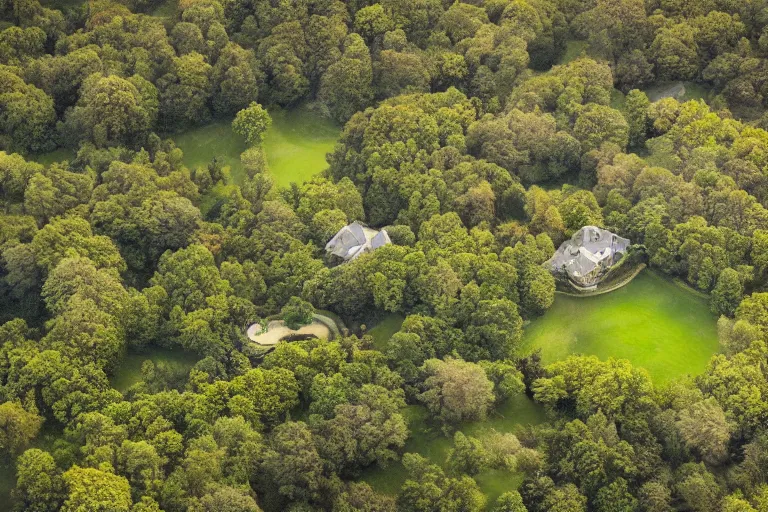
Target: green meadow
<point>384,329</point>
<point>653,322</point>
<point>295,145</point>
<point>428,440</point>
<point>129,373</point>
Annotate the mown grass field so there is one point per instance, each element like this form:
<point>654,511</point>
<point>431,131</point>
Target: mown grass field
<point>384,329</point>
<point>652,322</point>
<point>295,145</point>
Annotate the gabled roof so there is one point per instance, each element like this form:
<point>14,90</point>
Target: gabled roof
<point>589,249</point>
<point>357,231</point>
<point>381,239</point>
<point>355,239</point>
<point>348,238</point>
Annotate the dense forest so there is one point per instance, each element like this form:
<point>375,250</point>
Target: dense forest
<point>480,134</point>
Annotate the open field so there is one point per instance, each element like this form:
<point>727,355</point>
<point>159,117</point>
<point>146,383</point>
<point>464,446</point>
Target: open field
<point>654,323</point>
<point>128,372</point>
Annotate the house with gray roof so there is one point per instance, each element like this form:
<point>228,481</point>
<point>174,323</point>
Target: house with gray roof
<point>355,239</point>
<point>588,255</point>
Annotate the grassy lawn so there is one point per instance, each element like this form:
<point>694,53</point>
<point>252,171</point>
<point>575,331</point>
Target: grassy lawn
<point>295,146</point>
<point>617,99</point>
<point>129,371</point>
<point>297,143</point>
<point>693,91</point>
<point>573,49</point>
<point>428,441</point>
<point>384,330</point>
<point>165,9</point>
<point>7,480</point>
<point>45,441</point>
<point>657,325</point>
<point>62,5</point>
<point>57,155</point>
<point>213,140</point>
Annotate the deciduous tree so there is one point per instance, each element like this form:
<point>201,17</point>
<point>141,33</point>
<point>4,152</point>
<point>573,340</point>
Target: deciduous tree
<point>252,123</point>
<point>456,390</point>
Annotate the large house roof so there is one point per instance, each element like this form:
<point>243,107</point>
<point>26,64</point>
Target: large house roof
<point>355,239</point>
<point>590,248</point>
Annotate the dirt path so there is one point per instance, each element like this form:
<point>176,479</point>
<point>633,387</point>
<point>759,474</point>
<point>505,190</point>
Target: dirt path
<point>277,330</point>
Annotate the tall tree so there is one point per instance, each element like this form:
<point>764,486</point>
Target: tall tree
<point>252,123</point>
<point>93,489</point>
<point>456,390</point>
<point>113,111</point>
<point>17,427</point>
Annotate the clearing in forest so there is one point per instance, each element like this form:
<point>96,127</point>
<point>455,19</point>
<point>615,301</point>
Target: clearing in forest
<point>653,322</point>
